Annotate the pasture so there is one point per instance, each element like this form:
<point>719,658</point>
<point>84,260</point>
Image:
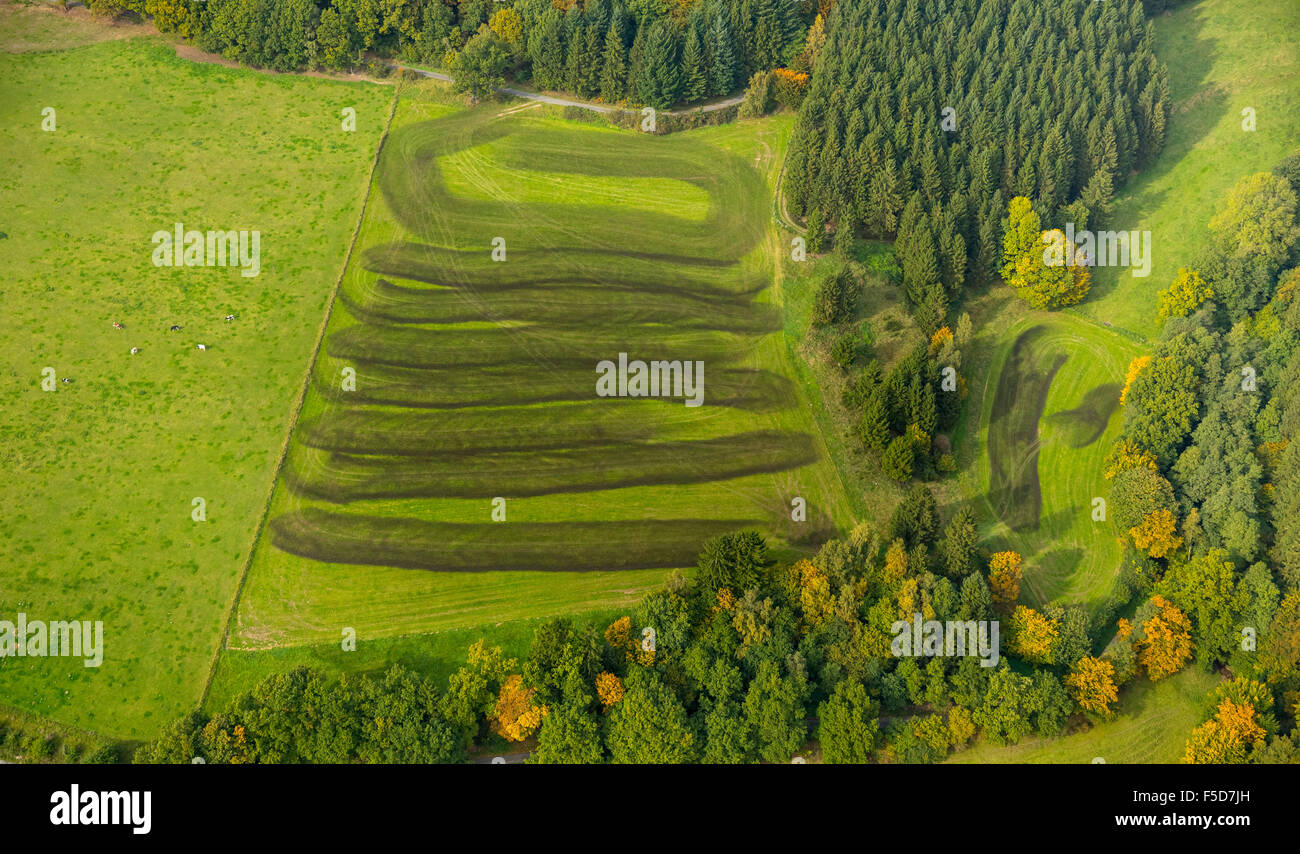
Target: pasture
<point>102,472</point>
<point>1224,58</point>
<point>502,256</point>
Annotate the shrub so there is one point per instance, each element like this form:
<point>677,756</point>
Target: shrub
<point>836,298</point>
<point>845,350</point>
<point>758,96</point>
<point>790,87</point>
<point>898,459</point>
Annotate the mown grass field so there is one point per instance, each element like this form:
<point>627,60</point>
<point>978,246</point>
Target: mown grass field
<point>1050,413</point>
<point>1223,57</point>
<point>476,378</point>
<point>1153,724</point>
<point>29,27</point>
<point>100,473</point>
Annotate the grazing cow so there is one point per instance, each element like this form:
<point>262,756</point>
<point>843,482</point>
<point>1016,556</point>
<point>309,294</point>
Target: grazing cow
<point>200,347</point>
<point>67,379</point>
<point>117,325</point>
<point>175,329</point>
<point>135,350</point>
<point>230,317</point>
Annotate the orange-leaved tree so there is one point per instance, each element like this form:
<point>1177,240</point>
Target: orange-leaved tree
<point>1166,644</point>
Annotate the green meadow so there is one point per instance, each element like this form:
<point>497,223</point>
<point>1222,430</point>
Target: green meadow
<point>1224,57</point>
<point>1048,401</point>
<point>102,472</point>
<point>387,378</point>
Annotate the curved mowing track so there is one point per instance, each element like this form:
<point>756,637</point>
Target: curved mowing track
<point>477,378</point>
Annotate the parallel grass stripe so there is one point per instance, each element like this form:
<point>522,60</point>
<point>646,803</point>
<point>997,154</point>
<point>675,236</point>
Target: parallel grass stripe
<point>560,305</point>
<point>404,346</point>
<point>421,432</point>
<point>516,385</point>
<point>344,478</point>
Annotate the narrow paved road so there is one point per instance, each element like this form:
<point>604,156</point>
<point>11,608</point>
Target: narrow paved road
<point>565,102</point>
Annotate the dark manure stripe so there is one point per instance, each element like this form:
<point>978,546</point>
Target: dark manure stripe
<point>494,547</point>
<point>408,347</point>
<point>665,274</point>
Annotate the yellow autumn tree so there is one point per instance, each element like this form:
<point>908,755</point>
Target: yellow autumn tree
<point>1157,535</point>
<point>939,339</point>
<point>1227,738</point>
<point>619,636</point>
<point>895,562</point>
<point>814,593</point>
<point>1032,635</point>
<point>515,717</point>
<point>1185,294</point>
<point>961,725</point>
<point>609,688</point>
<point>1091,682</point>
<point>1135,367</point>
<point>1004,579</point>
<point>508,26</point>
<point>912,600</point>
<point>1166,644</point>
<point>1065,278</point>
<point>1127,455</point>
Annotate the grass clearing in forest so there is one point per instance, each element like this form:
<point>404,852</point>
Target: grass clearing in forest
<point>1050,416</point>
<point>1152,727</point>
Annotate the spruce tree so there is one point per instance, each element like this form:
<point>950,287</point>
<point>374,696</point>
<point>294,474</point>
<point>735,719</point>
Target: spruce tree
<point>613,72</point>
<point>546,49</point>
<point>960,550</point>
<point>722,56</point>
<point>874,427</point>
<point>844,237</point>
<point>659,80</point>
<point>816,235</point>
<point>694,79</point>
<point>636,62</point>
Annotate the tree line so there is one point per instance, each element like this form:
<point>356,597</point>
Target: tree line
<point>743,662</point>
<point>654,52</point>
<point>1205,479</point>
